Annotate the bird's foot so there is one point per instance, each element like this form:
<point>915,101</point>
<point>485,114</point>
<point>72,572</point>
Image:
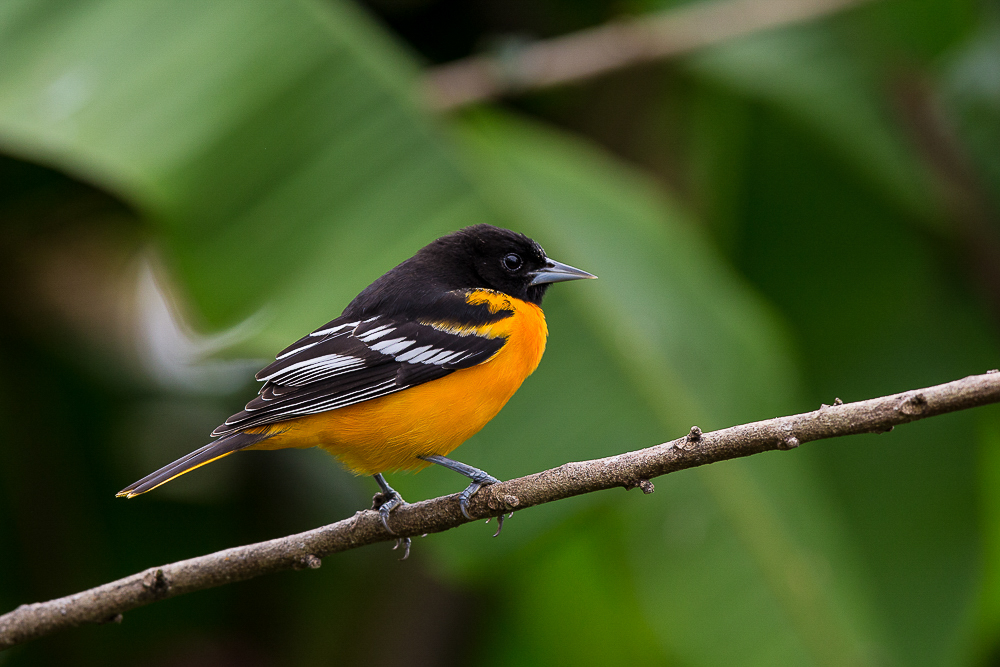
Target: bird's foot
<point>405,542</point>
<point>386,501</point>
<point>500,518</point>
<point>478,477</point>
<point>471,489</point>
<point>387,506</point>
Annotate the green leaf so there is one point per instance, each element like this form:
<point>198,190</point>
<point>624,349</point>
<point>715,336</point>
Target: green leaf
<point>750,582</point>
<point>811,77</point>
<point>276,150</point>
<point>281,161</point>
<point>970,89</point>
<point>988,432</point>
<point>576,585</point>
<point>831,254</point>
<point>266,140</point>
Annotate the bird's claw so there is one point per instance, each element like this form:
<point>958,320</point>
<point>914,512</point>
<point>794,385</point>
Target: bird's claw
<point>405,541</point>
<point>386,501</point>
<point>500,519</point>
<point>390,503</point>
<point>470,490</point>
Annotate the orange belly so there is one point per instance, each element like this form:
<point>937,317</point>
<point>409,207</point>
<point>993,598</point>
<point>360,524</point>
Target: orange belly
<point>390,432</point>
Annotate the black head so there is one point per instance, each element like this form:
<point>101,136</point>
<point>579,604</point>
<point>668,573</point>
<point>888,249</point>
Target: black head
<point>477,257</point>
<point>484,256</point>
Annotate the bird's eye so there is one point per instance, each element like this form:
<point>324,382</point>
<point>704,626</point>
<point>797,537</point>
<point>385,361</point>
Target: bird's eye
<point>512,261</point>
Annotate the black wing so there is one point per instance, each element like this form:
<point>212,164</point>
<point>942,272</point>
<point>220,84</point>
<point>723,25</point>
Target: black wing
<point>348,361</point>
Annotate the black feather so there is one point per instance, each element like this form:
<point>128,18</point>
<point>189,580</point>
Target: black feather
<point>211,451</point>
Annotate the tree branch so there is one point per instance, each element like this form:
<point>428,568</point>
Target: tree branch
<point>634,469</point>
<point>588,53</point>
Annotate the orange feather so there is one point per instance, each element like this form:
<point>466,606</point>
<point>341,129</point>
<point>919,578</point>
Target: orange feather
<point>390,432</point>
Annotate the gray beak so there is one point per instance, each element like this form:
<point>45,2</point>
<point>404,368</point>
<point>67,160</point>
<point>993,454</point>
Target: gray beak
<point>557,272</point>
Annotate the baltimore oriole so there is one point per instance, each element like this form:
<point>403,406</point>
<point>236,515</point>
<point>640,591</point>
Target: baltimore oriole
<point>417,363</point>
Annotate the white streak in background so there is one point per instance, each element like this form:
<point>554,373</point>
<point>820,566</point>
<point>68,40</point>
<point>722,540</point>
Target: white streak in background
<point>176,357</point>
<point>64,97</point>
<point>974,74</point>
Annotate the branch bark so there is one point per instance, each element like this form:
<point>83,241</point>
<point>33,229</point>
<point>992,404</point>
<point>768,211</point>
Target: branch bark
<point>589,53</point>
<point>107,603</point>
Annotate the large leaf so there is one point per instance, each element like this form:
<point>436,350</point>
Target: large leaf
<point>268,140</point>
<point>825,222</point>
<point>276,150</point>
<point>289,168</point>
<point>831,253</point>
<point>810,76</point>
<point>724,556</point>
<point>971,91</point>
<point>277,154</point>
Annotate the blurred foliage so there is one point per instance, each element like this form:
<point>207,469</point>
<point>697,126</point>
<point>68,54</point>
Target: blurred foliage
<point>797,215</point>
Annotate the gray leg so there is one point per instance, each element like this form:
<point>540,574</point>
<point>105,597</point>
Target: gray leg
<point>390,501</point>
<point>478,477</point>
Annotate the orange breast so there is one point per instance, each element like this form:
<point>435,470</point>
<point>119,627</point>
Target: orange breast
<point>390,432</point>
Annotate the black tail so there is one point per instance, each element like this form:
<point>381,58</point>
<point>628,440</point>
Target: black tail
<point>224,446</point>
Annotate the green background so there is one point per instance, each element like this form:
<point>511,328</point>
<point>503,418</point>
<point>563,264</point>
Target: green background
<point>796,215</point>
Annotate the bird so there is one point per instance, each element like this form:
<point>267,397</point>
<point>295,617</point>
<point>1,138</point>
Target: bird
<point>419,362</point>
